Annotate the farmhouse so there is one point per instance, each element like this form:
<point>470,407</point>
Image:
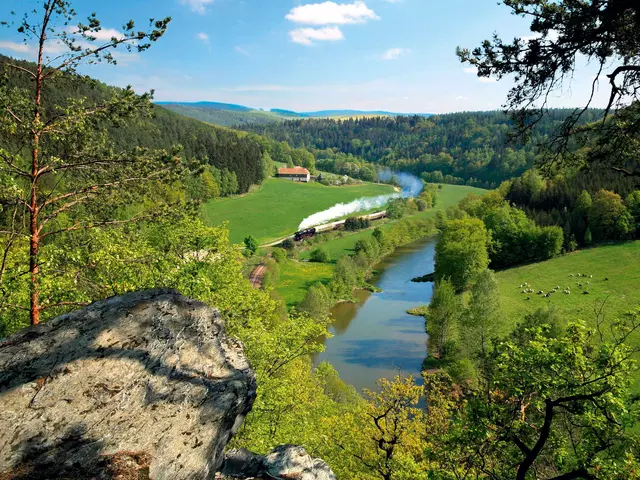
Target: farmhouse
<point>297,174</point>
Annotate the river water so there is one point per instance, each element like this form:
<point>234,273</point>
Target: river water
<point>375,337</point>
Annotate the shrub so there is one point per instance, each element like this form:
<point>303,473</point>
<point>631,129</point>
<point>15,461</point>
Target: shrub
<point>288,244</point>
<point>398,208</point>
<point>279,255</point>
<point>320,256</point>
<point>251,244</point>
<point>356,223</point>
<point>271,274</point>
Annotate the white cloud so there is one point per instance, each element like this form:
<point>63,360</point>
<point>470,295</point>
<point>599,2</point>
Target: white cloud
<point>393,1</point>
<point>54,47</point>
<point>460,97</point>
<point>242,50</point>
<point>203,37</point>
<point>474,70</point>
<point>395,53</point>
<point>107,34</point>
<point>307,36</point>
<point>552,36</point>
<point>198,6</point>
<point>331,13</point>
<point>15,47</point>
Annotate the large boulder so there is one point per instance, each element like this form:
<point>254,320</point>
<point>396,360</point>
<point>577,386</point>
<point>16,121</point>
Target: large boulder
<point>287,462</point>
<point>137,386</point>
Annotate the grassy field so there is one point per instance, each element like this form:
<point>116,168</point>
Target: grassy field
<point>277,208</point>
<point>617,263</point>
<point>296,277</point>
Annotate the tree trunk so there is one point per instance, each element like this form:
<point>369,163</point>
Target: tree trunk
<point>34,230</point>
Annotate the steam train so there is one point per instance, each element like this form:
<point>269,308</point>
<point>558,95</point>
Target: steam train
<point>312,232</point>
<point>302,234</point>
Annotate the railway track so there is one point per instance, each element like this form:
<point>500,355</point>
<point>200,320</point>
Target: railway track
<point>257,275</point>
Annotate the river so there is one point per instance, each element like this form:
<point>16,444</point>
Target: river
<point>376,337</point>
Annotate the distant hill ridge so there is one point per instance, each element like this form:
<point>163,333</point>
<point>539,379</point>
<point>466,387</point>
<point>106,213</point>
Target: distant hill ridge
<point>229,114</point>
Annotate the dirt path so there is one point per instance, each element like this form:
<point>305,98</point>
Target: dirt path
<point>257,275</point>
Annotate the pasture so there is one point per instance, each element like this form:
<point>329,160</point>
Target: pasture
<point>276,209</point>
<point>616,279</point>
<point>297,277</point>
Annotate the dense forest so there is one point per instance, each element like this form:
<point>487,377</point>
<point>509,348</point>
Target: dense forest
<point>590,206</point>
<point>471,147</point>
<point>221,148</point>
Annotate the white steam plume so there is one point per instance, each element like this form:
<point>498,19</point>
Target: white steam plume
<point>411,187</point>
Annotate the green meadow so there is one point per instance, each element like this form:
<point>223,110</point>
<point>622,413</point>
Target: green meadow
<point>276,209</point>
<point>616,281</point>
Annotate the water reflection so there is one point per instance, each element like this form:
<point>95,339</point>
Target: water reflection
<point>376,337</point>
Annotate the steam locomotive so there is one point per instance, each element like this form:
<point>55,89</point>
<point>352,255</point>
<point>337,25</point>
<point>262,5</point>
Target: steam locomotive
<point>302,234</point>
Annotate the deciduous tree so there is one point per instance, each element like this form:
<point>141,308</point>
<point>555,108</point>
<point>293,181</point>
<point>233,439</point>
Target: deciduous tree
<point>461,251</point>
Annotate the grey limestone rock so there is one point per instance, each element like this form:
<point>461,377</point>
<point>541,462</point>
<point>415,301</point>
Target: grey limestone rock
<point>144,385</point>
<point>286,462</point>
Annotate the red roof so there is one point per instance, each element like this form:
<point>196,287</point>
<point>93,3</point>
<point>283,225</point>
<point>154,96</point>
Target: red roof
<point>293,171</point>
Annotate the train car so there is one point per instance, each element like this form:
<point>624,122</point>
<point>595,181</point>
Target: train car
<point>302,234</point>
<point>377,215</point>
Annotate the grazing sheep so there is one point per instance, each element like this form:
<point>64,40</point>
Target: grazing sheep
<point>585,293</point>
<point>588,283</point>
<point>540,292</point>
<point>528,298</point>
<point>580,285</point>
<point>606,279</point>
<point>590,276</point>
<point>572,275</point>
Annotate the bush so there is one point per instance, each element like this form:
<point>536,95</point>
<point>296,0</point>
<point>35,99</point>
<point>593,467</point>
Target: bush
<point>271,274</point>
<point>251,244</point>
<point>288,244</point>
<point>316,302</point>
<point>398,208</point>
<point>356,223</point>
<point>320,256</point>
<point>279,255</point>
<point>421,204</point>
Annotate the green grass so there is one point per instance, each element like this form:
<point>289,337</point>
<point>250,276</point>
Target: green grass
<point>276,209</point>
<point>619,263</point>
<point>296,277</point>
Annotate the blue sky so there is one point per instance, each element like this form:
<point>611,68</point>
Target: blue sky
<point>396,55</point>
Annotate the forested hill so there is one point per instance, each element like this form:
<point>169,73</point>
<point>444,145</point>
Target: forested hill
<point>470,147</point>
<point>225,118</point>
<point>224,149</point>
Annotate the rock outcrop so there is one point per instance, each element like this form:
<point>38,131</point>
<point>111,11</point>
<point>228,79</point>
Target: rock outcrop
<point>145,385</point>
<point>286,462</point>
